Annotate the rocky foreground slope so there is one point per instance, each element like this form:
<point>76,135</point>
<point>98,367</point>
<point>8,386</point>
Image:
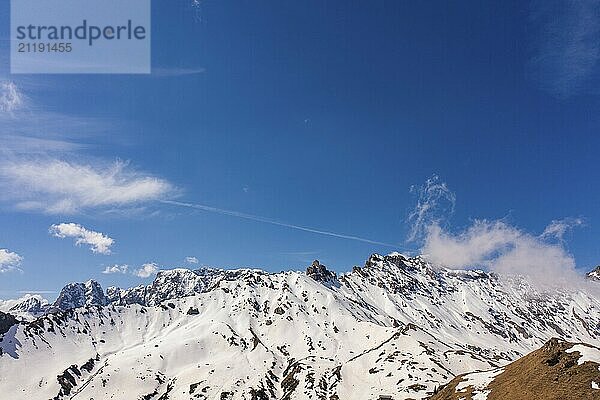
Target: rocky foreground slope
<point>396,326</point>
<point>558,371</point>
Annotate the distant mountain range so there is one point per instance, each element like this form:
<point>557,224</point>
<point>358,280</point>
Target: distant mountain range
<point>397,326</point>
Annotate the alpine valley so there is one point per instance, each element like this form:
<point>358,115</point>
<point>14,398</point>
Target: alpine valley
<point>396,328</point>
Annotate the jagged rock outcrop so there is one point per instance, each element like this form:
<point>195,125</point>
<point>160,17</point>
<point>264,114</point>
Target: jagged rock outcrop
<point>320,273</point>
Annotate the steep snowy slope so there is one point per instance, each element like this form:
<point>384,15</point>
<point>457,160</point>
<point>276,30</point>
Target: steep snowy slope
<point>396,326</point>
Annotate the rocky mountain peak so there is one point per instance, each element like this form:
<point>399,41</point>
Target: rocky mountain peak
<point>374,260</point>
<point>320,273</point>
<point>594,274</point>
<point>78,294</point>
<point>377,261</point>
<point>170,284</point>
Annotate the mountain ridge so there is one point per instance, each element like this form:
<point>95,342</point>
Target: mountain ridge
<point>396,326</point>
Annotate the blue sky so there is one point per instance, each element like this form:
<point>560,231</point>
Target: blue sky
<point>315,114</point>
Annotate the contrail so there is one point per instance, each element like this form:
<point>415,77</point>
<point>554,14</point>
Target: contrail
<point>273,222</point>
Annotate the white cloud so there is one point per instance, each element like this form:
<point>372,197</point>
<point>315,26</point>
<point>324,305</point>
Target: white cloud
<point>499,247</point>
<point>435,202</point>
<point>191,260</point>
<point>558,228</point>
<point>116,269</point>
<point>471,248</point>
<point>59,187</point>
<point>492,245</point>
<point>99,242</point>
<point>146,270</point>
<point>9,261</point>
<point>11,98</point>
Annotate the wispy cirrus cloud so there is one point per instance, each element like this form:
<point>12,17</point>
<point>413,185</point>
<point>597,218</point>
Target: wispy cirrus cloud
<point>45,171</point>
<point>567,44</point>
<point>13,145</point>
<point>435,203</point>
<point>9,261</point>
<point>191,260</point>
<point>55,186</point>
<point>558,228</point>
<point>99,243</point>
<point>26,127</point>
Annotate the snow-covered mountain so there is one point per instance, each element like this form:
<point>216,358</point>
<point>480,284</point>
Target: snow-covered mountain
<point>397,326</point>
<point>594,274</point>
<point>27,307</point>
<point>80,294</point>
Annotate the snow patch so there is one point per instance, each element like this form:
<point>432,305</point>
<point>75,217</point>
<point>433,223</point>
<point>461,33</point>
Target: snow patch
<point>587,353</point>
<point>479,381</point>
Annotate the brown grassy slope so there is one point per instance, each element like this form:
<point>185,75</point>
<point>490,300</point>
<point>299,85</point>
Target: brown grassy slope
<point>548,373</point>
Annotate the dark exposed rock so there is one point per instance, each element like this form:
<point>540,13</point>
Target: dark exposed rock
<point>259,394</point>
<point>193,311</point>
<point>320,273</point>
<point>67,381</point>
<point>279,311</point>
<point>6,321</point>
<point>194,386</point>
<point>226,396</point>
